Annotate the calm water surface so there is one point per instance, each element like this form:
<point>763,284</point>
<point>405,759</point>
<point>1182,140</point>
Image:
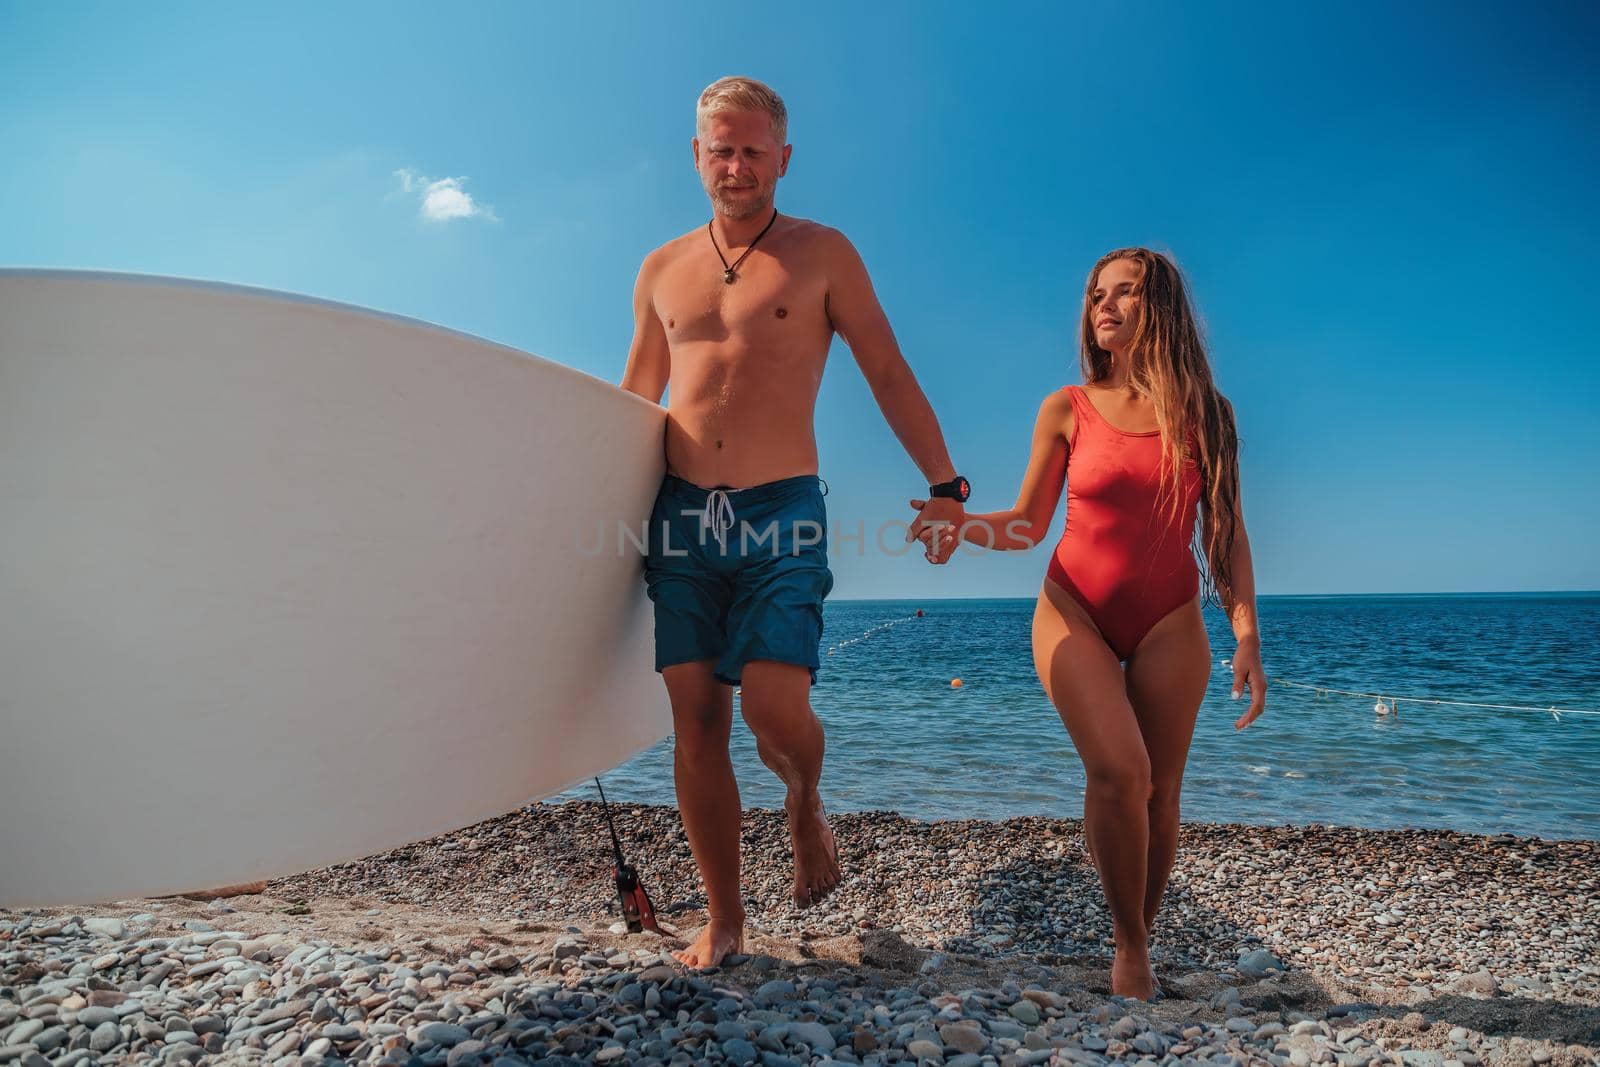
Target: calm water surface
<point>899,737</point>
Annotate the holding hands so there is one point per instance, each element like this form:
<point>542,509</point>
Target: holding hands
<point>937,526</point>
<point>941,519</point>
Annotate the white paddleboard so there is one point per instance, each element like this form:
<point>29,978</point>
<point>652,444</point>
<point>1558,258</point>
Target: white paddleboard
<point>285,582</point>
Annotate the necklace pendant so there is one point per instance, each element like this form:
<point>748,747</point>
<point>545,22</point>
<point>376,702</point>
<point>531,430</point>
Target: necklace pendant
<point>728,276</point>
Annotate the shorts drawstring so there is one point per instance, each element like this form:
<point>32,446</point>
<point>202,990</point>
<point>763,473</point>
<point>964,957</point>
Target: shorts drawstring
<point>718,517</point>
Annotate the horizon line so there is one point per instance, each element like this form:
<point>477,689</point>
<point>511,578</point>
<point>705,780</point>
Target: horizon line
<point>1264,596</point>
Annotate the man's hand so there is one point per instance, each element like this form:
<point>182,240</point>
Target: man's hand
<point>937,523</point>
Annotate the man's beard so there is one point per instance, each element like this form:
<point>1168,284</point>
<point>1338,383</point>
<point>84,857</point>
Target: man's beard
<point>731,208</point>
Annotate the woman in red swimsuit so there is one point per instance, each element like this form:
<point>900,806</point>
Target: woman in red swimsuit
<point>1149,454</point>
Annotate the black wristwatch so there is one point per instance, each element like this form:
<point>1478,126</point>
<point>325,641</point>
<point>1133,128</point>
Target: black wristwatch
<point>957,488</point>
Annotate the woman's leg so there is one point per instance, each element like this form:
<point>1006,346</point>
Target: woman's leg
<point>1167,676</point>
<point>1085,682</point>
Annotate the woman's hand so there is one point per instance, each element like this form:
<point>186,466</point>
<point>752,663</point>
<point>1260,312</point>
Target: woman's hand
<point>938,538</point>
<point>1248,672</point>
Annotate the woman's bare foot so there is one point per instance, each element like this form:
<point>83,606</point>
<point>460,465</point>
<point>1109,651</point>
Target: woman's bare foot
<point>1131,975</point>
<point>816,857</point>
<point>719,938</point>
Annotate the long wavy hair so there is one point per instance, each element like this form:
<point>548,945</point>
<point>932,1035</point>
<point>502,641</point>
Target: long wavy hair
<point>1167,362</point>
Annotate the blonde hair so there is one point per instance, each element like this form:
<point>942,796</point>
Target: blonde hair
<point>743,94</point>
<point>1168,363</point>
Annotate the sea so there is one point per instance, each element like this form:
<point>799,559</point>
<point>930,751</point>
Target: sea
<point>900,737</point>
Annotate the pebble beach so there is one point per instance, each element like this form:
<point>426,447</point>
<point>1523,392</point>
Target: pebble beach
<point>957,943</point>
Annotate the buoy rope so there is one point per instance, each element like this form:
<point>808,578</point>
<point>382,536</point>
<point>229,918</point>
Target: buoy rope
<point>1323,690</point>
<point>872,632</point>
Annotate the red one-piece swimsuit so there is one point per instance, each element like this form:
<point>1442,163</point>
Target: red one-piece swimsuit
<point>1123,555</point>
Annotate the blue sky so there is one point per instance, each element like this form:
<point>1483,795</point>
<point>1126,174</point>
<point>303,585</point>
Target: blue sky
<point>1386,213</point>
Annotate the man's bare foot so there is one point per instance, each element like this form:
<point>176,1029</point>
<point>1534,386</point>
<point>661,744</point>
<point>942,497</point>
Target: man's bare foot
<point>718,939</point>
<point>1131,975</point>
<point>816,857</point>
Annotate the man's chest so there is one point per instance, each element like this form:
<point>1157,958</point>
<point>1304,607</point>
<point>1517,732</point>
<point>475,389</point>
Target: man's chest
<point>769,300</point>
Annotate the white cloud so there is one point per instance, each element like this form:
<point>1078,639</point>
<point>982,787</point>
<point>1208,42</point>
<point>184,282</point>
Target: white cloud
<point>443,199</point>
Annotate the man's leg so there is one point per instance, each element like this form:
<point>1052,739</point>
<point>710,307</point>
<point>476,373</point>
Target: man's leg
<point>708,800</point>
<point>777,705</point>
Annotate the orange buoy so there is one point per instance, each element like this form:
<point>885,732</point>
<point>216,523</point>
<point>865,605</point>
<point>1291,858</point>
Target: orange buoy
<point>956,683</point>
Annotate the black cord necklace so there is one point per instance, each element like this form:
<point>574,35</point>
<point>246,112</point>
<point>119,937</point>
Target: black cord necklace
<point>729,274</point>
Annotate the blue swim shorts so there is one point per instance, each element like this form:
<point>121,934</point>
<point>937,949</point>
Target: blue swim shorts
<point>738,574</point>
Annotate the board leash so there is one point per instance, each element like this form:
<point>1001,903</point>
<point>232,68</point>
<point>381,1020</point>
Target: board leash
<point>637,911</point>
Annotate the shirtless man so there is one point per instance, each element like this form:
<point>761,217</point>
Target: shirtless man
<point>737,317</point>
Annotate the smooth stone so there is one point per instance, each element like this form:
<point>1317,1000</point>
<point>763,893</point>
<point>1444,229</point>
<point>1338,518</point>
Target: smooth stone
<point>1479,983</point>
<point>106,1036</point>
<point>24,1032</point>
<point>446,1034</point>
<point>1422,1058</point>
<point>963,1037</point>
<point>93,1016</point>
<point>1150,1043</point>
<point>290,1041</point>
<point>814,1035</point>
<point>772,1036</point>
<point>105,926</point>
<point>50,1038</point>
<point>738,1050</point>
<point>1025,1012</point>
<point>286,1010</point>
<point>1259,964</point>
<point>1005,1029</point>
<point>776,990</point>
<point>923,1049</point>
